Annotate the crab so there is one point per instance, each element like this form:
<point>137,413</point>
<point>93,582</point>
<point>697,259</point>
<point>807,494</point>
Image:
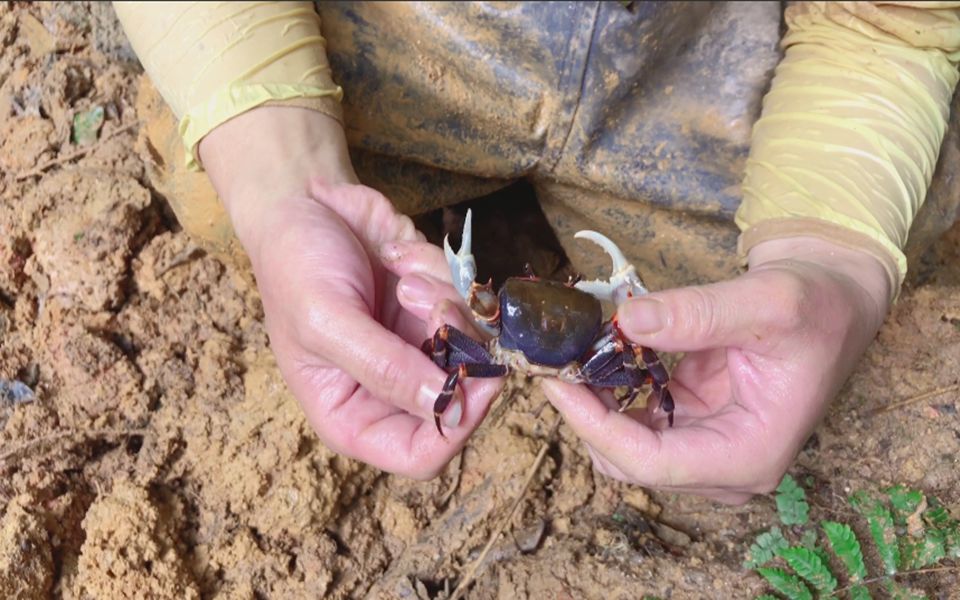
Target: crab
<point>548,329</point>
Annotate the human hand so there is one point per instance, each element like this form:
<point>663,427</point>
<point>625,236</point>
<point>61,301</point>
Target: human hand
<point>765,354</point>
<point>346,315</point>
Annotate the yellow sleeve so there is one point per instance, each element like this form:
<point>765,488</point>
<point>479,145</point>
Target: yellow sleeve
<point>212,61</point>
<point>851,128</point>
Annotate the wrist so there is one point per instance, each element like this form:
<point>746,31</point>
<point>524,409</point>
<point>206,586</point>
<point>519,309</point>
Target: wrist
<point>861,268</point>
<point>269,155</point>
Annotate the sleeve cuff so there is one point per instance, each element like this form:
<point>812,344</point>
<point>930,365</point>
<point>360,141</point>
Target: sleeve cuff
<point>891,258</point>
<point>237,99</point>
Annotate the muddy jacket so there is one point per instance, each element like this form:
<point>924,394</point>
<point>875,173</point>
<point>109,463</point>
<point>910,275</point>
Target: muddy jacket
<point>635,121</point>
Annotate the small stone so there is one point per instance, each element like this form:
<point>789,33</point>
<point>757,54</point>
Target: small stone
<point>672,536</point>
<point>14,392</point>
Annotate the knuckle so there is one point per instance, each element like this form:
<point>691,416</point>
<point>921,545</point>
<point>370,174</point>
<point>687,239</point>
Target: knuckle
<point>390,375</point>
<point>789,300</point>
<point>445,312</point>
<point>737,499</point>
<point>769,478</point>
<point>311,317</point>
<point>701,312</point>
<point>422,469</point>
<point>424,474</point>
<point>766,486</point>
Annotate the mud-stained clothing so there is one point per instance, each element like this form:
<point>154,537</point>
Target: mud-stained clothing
<point>632,120</point>
<point>635,122</point>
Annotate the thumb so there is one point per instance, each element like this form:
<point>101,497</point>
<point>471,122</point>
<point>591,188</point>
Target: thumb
<point>742,313</point>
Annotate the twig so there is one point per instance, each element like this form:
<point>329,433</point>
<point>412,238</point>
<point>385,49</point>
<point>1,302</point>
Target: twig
<point>913,399</point>
<point>455,484</point>
<point>472,571</point>
<point>872,580</point>
<point>76,433</point>
<point>181,258</point>
<point>80,153</point>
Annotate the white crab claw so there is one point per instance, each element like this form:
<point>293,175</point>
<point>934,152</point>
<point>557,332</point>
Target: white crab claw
<point>624,281</point>
<point>463,267</point>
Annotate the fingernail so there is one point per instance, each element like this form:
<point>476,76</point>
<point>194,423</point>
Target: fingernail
<point>451,418</point>
<point>429,394</point>
<point>416,289</point>
<point>642,316</point>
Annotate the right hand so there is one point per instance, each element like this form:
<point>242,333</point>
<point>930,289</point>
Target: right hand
<point>345,323</point>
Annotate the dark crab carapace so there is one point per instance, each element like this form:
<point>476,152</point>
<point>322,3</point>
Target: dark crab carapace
<point>546,328</point>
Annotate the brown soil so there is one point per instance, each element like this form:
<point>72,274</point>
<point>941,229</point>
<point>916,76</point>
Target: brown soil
<point>162,456</point>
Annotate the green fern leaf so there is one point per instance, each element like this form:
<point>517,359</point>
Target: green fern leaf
<point>922,553</point>
<point>881,529</point>
<point>792,502</point>
<point>767,597</point>
<point>811,567</point>
<point>952,541</point>
<point>765,548</point>
<point>939,518</point>
<point>788,585</point>
<point>846,545</point>
<point>859,592</point>
<point>809,541</point>
<point>905,502</point>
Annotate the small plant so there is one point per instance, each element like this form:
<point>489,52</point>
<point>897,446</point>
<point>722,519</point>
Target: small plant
<point>909,531</point>
<point>86,126</point>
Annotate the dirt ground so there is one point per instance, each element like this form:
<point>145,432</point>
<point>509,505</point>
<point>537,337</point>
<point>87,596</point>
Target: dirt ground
<point>160,455</point>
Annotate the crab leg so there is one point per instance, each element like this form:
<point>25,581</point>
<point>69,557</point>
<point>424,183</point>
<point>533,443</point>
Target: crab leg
<point>462,356</point>
<point>635,374</point>
<point>450,347</point>
<point>659,379</point>
<point>624,281</point>
<point>450,385</point>
<point>615,365</point>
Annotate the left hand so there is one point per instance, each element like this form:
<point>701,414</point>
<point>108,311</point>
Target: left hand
<point>350,290</point>
<point>766,352</point>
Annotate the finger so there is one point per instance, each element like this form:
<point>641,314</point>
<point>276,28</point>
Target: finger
<point>688,407</point>
<point>692,456</point>
<point>604,466</point>
<point>446,312</point>
<point>406,257</point>
<point>419,293</point>
<point>367,429</point>
<point>731,498</point>
<point>411,328</point>
<point>402,444</point>
<point>476,390</point>
<point>368,212</point>
<point>706,373</point>
<point>743,312</point>
<point>384,364</point>
<point>607,396</point>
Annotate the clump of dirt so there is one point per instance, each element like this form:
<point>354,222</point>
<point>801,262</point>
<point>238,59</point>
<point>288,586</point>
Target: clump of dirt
<point>161,455</point>
<point>26,143</point>
<point>26,561</point>
<point>82,243</point>
<point>130,550</point>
